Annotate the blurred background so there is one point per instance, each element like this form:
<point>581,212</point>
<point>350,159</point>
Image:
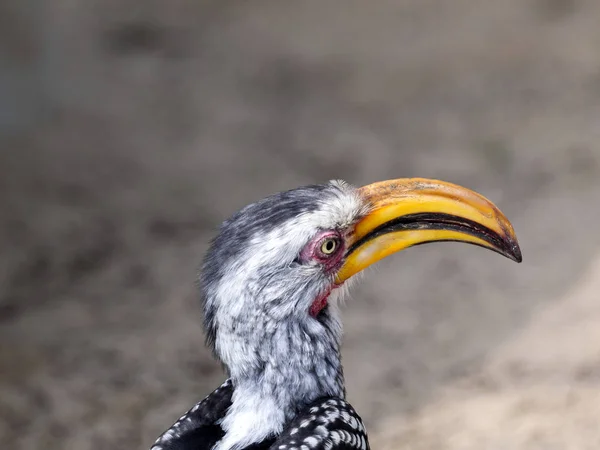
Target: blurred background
<point>129,129</point>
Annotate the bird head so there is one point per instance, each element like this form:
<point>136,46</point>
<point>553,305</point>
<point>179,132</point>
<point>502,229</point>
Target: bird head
<point>280,263</point>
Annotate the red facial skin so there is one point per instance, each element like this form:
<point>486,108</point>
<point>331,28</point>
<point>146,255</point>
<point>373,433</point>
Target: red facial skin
<point>319,303</point>
<point>330,263</point>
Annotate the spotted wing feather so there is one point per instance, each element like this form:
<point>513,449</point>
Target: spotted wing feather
<point>198,429</point>
<point>327,424</point>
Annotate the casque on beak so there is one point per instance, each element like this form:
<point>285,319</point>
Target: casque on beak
<point>411,211</point>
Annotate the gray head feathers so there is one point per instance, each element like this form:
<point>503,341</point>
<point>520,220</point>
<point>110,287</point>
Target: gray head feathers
<point>271,231</point>
<point>256,296</point>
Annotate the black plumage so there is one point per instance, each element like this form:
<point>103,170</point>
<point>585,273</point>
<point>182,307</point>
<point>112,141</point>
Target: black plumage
<point>326,424</point>
<point>198,428</point>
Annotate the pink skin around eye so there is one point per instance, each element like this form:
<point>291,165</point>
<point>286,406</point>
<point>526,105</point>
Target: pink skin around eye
<point>312,252</point>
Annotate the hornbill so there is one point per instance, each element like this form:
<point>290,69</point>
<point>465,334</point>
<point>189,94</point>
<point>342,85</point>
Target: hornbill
<point>272,281</point>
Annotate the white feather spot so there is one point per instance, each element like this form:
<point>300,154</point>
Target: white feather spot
<point>311,441</point>
<point>345,416</point>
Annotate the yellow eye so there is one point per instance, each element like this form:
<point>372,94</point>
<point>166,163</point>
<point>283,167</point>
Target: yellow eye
<point>329,246</point>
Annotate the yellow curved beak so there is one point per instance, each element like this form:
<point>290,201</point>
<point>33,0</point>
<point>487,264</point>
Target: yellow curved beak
<point>411,211</point>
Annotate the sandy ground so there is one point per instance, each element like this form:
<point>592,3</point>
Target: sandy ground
<point>153,121</point>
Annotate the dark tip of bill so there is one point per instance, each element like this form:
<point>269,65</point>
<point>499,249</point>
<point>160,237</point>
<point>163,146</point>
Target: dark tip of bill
<point>514,251</point>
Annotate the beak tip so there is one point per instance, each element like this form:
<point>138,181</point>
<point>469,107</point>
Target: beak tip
<point>510,244</point>
<point>513,251</point>
<point>518,258</point>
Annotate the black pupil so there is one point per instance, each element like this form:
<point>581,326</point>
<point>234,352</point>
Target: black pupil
<point>329,245</point>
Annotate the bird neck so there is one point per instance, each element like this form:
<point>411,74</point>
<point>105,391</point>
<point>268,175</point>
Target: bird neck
<point>277,371</point>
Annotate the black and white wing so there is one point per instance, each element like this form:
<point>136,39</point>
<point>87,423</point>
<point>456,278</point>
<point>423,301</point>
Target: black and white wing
<point>198,429</point>
<point>327,424</point>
